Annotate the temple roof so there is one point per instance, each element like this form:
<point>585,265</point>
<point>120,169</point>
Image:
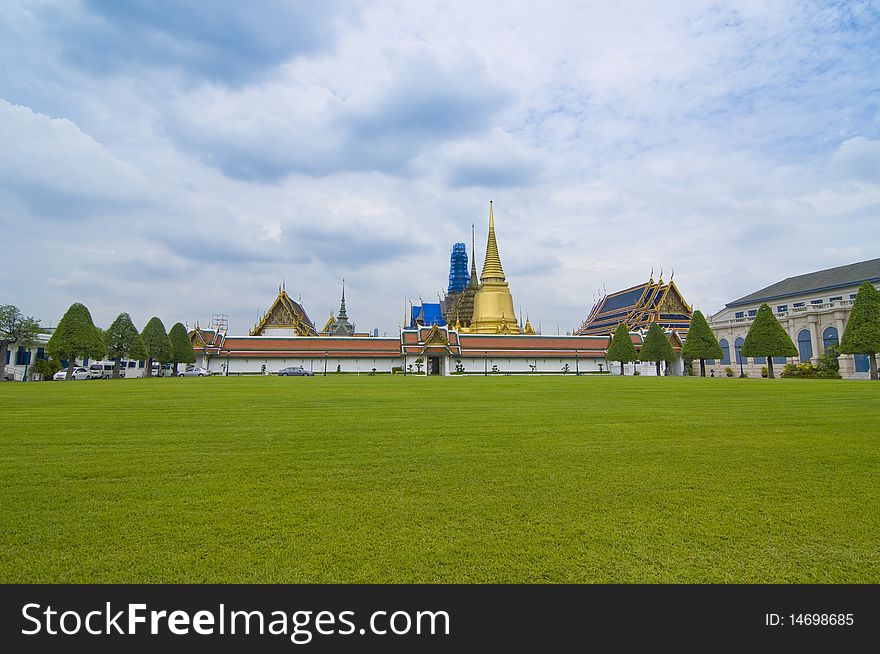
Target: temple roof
<point>285,314</point>
<point>823,280</point>
<point>638,306</point>
<point>294,346</point>
<point>427,313</point>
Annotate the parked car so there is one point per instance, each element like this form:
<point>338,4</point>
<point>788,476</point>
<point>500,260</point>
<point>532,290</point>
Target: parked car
<point>103,370</point>
<point>295,371</point>
<point>78,373</point>
<point>194,371</point>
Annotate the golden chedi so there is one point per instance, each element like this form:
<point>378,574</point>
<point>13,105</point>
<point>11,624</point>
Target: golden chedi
<point>493,304</point>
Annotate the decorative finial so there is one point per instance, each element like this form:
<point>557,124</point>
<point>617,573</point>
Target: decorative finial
<point>673,274</point>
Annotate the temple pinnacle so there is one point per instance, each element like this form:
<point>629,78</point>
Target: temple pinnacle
<point>492,269</point>
<point>342,313</point>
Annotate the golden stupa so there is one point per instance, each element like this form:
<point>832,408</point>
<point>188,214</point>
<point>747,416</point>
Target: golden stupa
<point>493,304</point>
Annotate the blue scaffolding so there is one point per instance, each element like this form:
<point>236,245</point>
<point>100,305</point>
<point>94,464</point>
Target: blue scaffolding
<point>458,269</point>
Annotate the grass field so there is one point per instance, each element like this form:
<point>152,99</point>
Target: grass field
<point>389,479</point>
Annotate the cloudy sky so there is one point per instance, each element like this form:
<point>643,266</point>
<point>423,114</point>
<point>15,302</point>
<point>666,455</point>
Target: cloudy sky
<point>180,158</point>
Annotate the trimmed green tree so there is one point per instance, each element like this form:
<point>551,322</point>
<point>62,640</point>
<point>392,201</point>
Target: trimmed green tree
<point>156,344</point>
<point>862,333</point>
<point>767,338</point>
<point>621,347</point>
<point>15,328</point>
<point>76,337</point>
<point>701,342</point>
<point>181,347</point>
<point>656,347</point>
<point>123,341</point>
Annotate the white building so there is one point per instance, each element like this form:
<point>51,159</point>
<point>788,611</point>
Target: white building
<point>19,359</point>
<point>813,308</point>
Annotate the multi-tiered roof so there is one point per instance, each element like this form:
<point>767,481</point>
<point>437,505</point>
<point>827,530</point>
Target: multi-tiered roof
<point>638,307</point>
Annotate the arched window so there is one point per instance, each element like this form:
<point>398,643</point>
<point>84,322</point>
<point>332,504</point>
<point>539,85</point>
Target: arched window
<point>829,338</point>
<point>725,349</point>
<point>805,346</point>
<point>737,346</point>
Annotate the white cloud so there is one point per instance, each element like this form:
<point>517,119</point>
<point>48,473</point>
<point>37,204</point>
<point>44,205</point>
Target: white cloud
<point>51,165</point>
<point>735,142</point>
<point>858,159</point>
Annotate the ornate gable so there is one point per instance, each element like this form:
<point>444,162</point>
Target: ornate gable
<point>673,302</point>
<point>285,314</point>
<point>437,336</point>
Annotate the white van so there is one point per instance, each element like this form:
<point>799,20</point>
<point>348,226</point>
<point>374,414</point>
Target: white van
<point>104,370</point>
<point>162,369</point>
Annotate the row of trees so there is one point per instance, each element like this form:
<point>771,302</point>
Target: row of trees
<point>656,347</point>
<point>77,337</point>
<point>766,338</point>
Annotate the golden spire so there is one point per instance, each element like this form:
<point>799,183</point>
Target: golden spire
<point>492,270</point>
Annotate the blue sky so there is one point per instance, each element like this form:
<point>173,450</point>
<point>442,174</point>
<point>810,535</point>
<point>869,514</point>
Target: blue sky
<point>181,158</point>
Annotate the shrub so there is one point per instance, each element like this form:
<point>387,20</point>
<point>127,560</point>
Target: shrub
<point>828,366</point>
<point>728,372</point>
<point>636,373</point>
<point>799,371</point>
<point>45,368</point>
<point>764,372</point>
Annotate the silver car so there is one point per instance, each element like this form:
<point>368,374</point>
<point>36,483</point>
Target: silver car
<point>295,371</point>
<point>78,373</point>
<point>194,371</point>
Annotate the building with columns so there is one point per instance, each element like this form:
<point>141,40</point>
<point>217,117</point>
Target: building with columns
<point>813,308</point>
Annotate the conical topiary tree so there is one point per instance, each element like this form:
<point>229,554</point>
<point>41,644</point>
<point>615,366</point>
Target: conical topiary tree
<point>123,341</point>
<point>76,336</point>
<point>701,342</point>
<point>656,347</point>
<point>181,346</point>
<point>767,338</point>
<point>862,332</point>
<point>621,347</point>
<point>156,344</point>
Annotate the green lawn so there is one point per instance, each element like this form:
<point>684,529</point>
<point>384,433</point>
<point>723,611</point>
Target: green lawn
<point>391,479</point>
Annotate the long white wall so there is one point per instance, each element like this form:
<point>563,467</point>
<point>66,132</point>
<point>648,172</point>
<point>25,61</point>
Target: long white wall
<point>540,365</point>
<point>241,365</point>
